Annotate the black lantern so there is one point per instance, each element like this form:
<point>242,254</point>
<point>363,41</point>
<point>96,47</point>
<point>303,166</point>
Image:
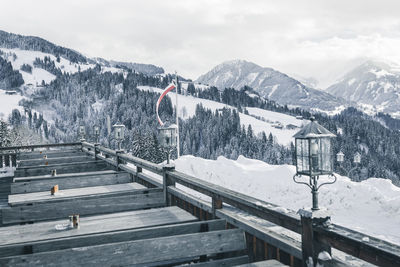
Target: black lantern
<point>82,132</point>
<point>168,138</point>
<point>96,133</point>
<point>119,132</point>
<point>314,156</point>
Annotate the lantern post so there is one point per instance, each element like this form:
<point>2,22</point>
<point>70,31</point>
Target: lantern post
<point>119,133</point>
<point>82,132</point>
<point>168,139</point>
<point>96,133</point>
<point>313,157</point>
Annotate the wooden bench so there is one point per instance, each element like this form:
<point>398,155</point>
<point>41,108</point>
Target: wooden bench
<point>51,161</point>
<point>101,229</point>
<point>68,181</point>
<point>41,206</point>
<point>63,168</point>
<point>158,251</point>
<point>50,154</point>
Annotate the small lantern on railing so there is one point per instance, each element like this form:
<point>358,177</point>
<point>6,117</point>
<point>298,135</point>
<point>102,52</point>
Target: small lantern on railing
<point>82,132</point>
<point>357,158</point>
<point>340,157</point>
<point>96,133</point>
<point>119,130</point>
<point>314,157</point>
<point>168,138</point>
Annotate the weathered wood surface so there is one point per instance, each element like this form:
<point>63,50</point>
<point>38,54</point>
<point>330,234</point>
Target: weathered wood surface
<point>67,194</point>
<point>50,154</point>
<point>85,205</point>
<point>64,175</point>
<point>51,161</point>
<point>144,227</point>
<point>145,252</point>
<point>67,181</point>
<point>222,262</point>
<point>101,229</point>
<point>63,168</point>
<point>267,263</point>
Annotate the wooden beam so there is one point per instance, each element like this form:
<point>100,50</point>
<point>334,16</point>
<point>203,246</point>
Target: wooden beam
<point>62,168</point>
<point>146,251</point>
<point>74,193</point>
<point>158,224</point>
<point>67,181</point>
<point>53,160</point>
<point>141,199</point>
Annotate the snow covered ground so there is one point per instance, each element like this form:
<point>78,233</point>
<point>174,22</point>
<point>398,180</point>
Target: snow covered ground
<point>187,108</point>
<point>38,74</point>
<point>371,207</point>
<point>8,103</point>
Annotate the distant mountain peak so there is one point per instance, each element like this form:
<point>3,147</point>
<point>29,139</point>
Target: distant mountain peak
<point>374,82</point>
<point>269,83</point>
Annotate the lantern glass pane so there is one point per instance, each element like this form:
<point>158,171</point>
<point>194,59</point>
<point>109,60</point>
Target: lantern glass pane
<point>325,164</point>
<point>302,158</point>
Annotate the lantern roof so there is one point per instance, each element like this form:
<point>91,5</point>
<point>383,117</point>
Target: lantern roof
<point>118,125</point>
<point>313,130</point>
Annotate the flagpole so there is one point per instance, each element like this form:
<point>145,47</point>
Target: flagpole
<point>177,117</point>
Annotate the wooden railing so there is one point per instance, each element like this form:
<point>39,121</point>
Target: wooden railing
<point>224,203</point>
<point>315,236</point>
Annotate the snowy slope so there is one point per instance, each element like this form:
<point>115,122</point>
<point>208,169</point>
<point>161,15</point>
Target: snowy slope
<point>38,74</point>
<point>8,103</point>
<point>371,206</point>
<point>187,108</point>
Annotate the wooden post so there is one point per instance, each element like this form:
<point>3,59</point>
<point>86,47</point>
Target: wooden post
<point>96,151</point>
<point>216,204</point>
<point>309,244</point>
<point>118,159</point>
<point>167,181</point>
<point>1,161</point>
<point>13,160</point>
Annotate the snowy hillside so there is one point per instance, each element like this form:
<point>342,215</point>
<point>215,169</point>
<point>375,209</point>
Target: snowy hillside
<point>267,121</point>
<point>8,103</point>
<point>371,207</point>
<point>38,74</point>
<point>375,85</point>
<point>270,84</point>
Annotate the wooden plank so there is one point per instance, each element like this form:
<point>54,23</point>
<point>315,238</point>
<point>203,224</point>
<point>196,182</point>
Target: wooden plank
<point>51,161</point>
<point>267,263</point>
<point>67,194</point>
<point>223,262</point>
<point>375,251</point>
<point>137,252</point>
<point>63,168</point>
<point>49,153</point>
<point>64,175</point>
<point>157,223</point>
<point>68,182</point>
<point>140,199</point>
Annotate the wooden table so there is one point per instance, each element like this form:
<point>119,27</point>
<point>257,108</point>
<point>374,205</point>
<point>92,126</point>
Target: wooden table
<point>65,195</point>
<point>93,229</point>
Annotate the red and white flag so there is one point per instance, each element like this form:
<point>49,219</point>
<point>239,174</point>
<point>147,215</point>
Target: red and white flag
<point>169,88</point>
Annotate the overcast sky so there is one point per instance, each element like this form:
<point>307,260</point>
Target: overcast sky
<point>322,39</point>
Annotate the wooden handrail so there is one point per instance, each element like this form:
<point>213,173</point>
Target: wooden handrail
<point>357,244</point>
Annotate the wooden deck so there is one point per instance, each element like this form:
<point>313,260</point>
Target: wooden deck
<point>122,222</point>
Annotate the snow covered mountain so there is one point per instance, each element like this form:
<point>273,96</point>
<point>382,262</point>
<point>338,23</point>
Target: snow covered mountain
<point>270,84</point>
<point>375,84</point>
<point>37,47</point>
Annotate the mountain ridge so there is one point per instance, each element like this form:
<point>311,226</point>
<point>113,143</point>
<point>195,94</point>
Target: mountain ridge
<point>269,83</point>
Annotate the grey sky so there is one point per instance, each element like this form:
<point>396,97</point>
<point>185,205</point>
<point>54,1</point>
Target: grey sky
<point>316,38</point>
